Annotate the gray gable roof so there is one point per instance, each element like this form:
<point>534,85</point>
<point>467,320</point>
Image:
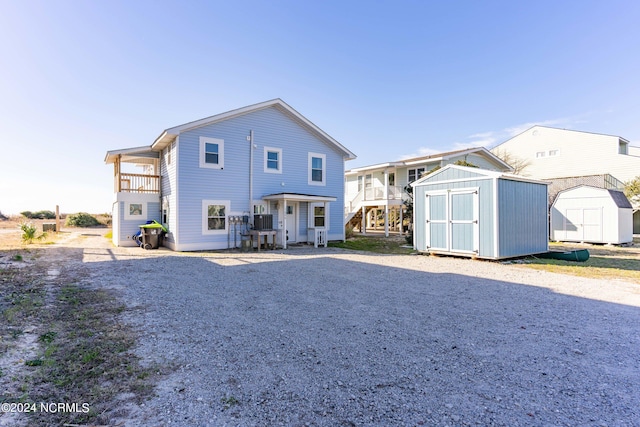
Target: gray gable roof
<point>620,199</point>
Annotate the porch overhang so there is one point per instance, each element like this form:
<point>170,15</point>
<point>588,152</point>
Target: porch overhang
<point>138,155</point>
<point>299,197</point>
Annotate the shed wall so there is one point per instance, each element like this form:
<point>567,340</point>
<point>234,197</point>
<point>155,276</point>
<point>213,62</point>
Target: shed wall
<point>522,218</point>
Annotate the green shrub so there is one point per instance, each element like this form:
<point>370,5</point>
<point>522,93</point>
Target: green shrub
<point>82,219</point>
<point>39,215</point>
<point>29,233</point>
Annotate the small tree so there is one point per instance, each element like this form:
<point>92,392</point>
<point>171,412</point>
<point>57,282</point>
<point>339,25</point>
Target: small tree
<point>408,204</point>
<point>632,190</point>
<point>519,165</point>
<point>29,233</point>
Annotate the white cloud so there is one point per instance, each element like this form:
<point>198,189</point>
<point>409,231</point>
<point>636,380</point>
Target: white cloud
<point>422,151</point>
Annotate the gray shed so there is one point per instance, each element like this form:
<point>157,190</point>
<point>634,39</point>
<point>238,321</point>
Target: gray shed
<point>590,214</point>
<point>479,213</point>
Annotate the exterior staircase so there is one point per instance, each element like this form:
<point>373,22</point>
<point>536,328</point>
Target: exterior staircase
<point>354,219</point>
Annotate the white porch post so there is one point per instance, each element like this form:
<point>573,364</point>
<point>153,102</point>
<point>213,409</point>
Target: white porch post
<point>326,225</point>
<point>386,203</point>
<point>401,226</point>
<point>284,224</point>
<point>363,227</point>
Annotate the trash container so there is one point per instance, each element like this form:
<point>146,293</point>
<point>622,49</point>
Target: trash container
<point>246,242</point>
<point>151,235</point>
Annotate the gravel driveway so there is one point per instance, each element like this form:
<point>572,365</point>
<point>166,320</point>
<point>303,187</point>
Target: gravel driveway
<point>330,337</point>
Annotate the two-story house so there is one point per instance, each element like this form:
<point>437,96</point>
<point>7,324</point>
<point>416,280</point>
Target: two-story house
<point>378,190</point>
<point>568,158</point>
<point>205,180</point>
<point>555,153</point>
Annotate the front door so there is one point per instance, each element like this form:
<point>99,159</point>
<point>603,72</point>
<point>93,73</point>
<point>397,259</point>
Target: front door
<point>292,222</point>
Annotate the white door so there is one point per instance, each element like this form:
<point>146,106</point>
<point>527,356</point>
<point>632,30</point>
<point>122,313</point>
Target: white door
<point>292,222</point>
<point>583,225</point>
<point>452,221</point>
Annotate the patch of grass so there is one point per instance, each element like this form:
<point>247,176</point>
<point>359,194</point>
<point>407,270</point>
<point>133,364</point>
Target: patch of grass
<point>228,402</point>
<point>605,262</point>
<point>86,352</point>
<point>87,358</point>
<point>377,244</point>
<point>17,257</point>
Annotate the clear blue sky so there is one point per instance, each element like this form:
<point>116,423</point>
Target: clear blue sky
<point>387,79</point>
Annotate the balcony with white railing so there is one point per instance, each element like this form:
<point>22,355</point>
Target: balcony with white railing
<point>137,183</point>
<point>367,196</point>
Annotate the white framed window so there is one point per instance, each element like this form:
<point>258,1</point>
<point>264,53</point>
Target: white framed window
<point>165,211</point>
<point>623,147</point>
<point>553,153</point>
<point>415,174</point>
<point>317,169</point>
<point>318,215</point>
<point>135,211</point>
<point>211,153</point>
<point>359,183</point>
<point>540,154</point>
<point>259,207</point>
<point>215,216</point>
<point>272,160</point>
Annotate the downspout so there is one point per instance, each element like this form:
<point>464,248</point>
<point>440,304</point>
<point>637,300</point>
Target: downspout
<point>250,177</point>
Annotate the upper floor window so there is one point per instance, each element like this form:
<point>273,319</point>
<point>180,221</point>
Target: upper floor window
<point>359,183</point>
<point>540,154</point>
<point>317,169</point>
<point>623,148</point>
<point>272,160</point>
<point>415,174</point>
<point>211,153</point>
<point>553,153</point>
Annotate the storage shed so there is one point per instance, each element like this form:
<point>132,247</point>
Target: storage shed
<point>479,213</point>
<point>591,214</point>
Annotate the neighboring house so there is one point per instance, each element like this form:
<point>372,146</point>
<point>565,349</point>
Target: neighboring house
<point>379,189</point>
<point>203,178</point>
<point>556,154</point>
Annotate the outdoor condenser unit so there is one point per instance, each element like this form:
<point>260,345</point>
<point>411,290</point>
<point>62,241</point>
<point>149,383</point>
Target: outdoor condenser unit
<point>263,222</point>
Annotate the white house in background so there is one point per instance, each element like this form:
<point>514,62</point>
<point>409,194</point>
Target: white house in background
<point>200,178</point>
<point>370,190</point>
<point>554,153</point>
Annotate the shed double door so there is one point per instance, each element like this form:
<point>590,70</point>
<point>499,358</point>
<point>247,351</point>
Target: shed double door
<point>583,224</point>
<point>452,221</point>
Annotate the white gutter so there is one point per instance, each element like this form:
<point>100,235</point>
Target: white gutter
<point>251,176</point>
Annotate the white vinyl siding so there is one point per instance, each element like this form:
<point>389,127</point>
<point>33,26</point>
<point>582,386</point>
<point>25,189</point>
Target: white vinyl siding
<point>579,154</point>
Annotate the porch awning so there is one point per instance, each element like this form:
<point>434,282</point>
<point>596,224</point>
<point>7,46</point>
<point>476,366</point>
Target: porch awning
<point>139,155</point>
<point>299,197</point>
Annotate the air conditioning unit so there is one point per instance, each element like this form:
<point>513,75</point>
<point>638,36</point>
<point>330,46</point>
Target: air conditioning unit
<point>263,222</point>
